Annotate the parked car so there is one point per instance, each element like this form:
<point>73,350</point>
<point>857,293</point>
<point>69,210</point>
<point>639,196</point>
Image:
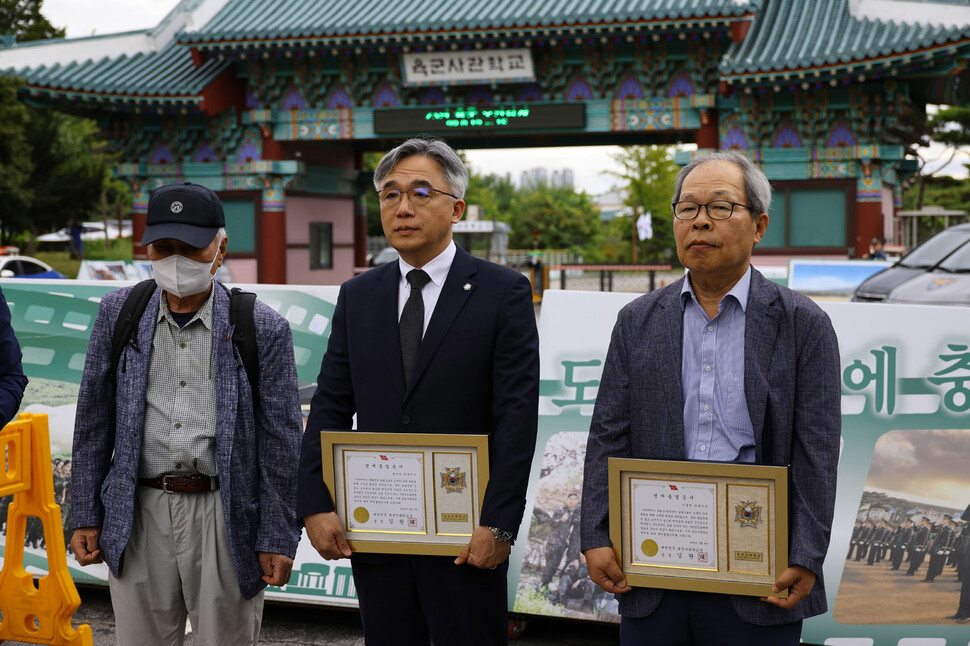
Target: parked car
<point>26,267</point>
<point>89,231</point>
<point>924,258</point>
<point>946,284</point>
<point>384,256</point>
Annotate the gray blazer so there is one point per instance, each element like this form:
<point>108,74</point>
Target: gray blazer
<point>793,391</point>
<point>257,455</point>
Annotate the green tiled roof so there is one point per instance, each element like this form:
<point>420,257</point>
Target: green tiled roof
<point>167,76</point>
<point>383,20</point>
<point>823,35</point>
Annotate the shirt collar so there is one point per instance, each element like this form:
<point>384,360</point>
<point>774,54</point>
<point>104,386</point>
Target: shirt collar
<point>437,268</point>
<point>740,291</point>
<point>203,314</point>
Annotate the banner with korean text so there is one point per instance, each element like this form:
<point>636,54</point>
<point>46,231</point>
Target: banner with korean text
<point>904,457</point>
<point>900,537</point>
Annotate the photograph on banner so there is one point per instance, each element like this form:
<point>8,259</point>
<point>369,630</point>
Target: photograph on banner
<point>554,579</point>
<point>831,278</point>
<point>908,555</point>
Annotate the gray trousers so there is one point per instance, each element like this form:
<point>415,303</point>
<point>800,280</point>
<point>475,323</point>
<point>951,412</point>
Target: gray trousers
<point>177,561</point>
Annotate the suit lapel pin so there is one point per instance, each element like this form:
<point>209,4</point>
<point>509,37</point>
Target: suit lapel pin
<point>468,287</point>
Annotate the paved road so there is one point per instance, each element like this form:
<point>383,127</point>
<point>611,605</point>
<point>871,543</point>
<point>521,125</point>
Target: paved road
<point>286,625</point>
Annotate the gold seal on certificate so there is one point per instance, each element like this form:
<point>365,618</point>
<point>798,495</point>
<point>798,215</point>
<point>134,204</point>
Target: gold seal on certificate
<point>705,526</point>
<point>406,493</point>
<point>453,479</point>
<point>748,513</point>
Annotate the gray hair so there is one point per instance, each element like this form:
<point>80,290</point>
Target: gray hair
<point>756,186</point>
<point>451,165</point>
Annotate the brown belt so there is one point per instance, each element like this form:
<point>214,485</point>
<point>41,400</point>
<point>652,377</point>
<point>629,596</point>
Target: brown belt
<point>195,483</point>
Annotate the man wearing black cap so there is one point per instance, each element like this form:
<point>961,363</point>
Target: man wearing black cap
<point>181,482</point>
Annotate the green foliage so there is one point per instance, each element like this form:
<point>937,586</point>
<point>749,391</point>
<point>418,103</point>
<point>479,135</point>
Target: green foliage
<point>949,193</point>
<point>950,126</point>
<point>496,194</point>
<point>118,249</point>
<point>944,191</point>
<point>15,162</point>
<point>52,166</point>
<point>61,261</point>
<point>531,602</point>
<point>647,178</point>
<point>556,218</point>
<point>373,207</point>
<point>23,19</point>
<point>70,171</point>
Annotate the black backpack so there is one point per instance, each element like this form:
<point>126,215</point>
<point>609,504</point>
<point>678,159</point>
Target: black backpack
<point>241,305</point>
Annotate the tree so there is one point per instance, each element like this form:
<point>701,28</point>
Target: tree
<point>70,171</point>
<point>52,166</point>
<point>496,194</point>
<point>950,126</point>
<point>15,162</point>
<point>555,218</point>
<point>647,180</point>
<point>22,18</point>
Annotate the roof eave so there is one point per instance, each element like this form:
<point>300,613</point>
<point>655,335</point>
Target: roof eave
<point>888,64</point>
<point>546,31</point>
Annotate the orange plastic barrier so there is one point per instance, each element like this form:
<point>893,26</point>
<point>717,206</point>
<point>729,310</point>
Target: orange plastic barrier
<point>34,613</point>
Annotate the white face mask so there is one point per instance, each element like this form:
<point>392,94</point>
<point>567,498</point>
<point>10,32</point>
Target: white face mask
<point>181,276</point>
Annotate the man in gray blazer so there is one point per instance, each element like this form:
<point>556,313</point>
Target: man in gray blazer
<point>722,366</point>
<point>181,482</point>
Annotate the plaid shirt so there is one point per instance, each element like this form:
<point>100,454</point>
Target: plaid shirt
<point>180,401</point>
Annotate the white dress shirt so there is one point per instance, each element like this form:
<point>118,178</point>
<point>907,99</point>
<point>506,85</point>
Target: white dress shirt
<point>437,269</point>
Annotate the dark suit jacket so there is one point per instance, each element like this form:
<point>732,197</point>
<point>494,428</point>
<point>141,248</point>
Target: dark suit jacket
<point>12,378</point>
<point>793,392</point>
<point>477,371</point>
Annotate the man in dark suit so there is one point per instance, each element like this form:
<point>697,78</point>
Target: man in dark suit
<point>724,366</point>
<point>962,615</point>
<point>919,544</point>
<point>900,540</point>
<point>940,549</point>
<point>865,538</point>
<point>476,370</point>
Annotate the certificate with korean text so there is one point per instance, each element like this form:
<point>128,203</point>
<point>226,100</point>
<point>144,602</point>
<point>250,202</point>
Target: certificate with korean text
<point>406,493</point>
<point>704,526</point>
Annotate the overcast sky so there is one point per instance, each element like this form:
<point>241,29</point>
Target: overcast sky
<point>923,465</point>
<point>88,17</point>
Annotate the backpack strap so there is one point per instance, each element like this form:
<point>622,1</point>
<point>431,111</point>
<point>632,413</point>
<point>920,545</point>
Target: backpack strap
<point>241,317</point>
<point>128,319</point>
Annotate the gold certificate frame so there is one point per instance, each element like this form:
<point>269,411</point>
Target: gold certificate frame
<point>406,493</point>
<point>701,526</point>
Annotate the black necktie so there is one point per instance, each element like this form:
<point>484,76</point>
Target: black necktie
<point>412,322</point>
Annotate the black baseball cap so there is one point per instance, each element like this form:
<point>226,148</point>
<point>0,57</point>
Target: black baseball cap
<point>187,212</point>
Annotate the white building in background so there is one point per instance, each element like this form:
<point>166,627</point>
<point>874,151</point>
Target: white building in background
<point>534,178</point>
<point>610,205</point>
<point>563,178</point>
<point>538,177</point>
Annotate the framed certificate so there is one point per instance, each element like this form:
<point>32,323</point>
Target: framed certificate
<point>406,493</point>
<point>703,526</point>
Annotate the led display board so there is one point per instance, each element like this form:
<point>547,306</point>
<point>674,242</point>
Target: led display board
<point>496,118</point>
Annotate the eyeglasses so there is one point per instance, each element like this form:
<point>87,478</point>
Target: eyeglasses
<point>717,210</point>
<point>417,195</point>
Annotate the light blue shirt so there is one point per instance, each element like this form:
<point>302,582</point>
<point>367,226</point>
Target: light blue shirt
<point>717,426</point>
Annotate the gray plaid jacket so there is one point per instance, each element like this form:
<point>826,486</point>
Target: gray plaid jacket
<point>257,455</point>
<point>792,386</point>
